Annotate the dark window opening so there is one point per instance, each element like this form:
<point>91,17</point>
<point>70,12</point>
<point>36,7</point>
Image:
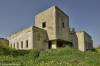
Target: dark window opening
<point>49,44</point>
<point>11,45</point>
<point>17,45</point>
<point>14,45</point>
<point>21,44</point>
<point>69,44</point>
<point>59,44</point>
<point>63,25</point>
<point>43,24</point>
<point>26,43</point>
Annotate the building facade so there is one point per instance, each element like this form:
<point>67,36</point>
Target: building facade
<point>84,41</point>
<point>29,38</point>
<point>51,30</point>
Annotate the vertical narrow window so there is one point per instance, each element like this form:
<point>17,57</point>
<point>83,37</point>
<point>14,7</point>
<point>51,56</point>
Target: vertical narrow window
<point>63,25</point>
<point>11,45</point>
<point>17,45</point>
<point>21,44</point>
<point>14,45</point>
<point>43,24</point>
<point>26,43</point>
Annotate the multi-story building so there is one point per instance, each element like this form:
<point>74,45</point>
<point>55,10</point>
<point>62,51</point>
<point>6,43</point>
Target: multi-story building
<point>51,30</point>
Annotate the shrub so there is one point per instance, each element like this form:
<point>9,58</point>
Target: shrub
<point>19,52</point>
<point>33,54</point>
<point>5,49</point>
<point>97,50</point>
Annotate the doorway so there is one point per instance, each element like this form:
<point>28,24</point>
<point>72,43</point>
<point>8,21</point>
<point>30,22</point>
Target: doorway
<point>49,44</point>
<point>59,44</point>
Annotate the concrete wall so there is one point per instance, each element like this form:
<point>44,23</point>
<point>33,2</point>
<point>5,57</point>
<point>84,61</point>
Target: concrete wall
<point>39,37</point>
<point>62,25</point>
<point>80,36</point>
<point>84,41</point>
<point>74,39</point>
<point>47,16</point>
<point>22,36</point>
<point>35,36</point>
<point>54,18</point>
<point>54,44</point>
<point>88,41</point>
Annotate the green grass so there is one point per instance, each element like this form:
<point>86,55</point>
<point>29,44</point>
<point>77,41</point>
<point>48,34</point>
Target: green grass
<point>54,57</point>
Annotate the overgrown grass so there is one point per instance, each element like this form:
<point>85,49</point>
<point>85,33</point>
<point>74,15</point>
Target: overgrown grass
<point>54,57</point>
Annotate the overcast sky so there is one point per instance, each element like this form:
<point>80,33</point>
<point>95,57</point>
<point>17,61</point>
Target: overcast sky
<point>16,15</point>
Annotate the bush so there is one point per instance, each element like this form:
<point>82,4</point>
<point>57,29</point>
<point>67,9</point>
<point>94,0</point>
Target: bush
<point>54,57</point>
<point>97,50</point>
<point>5,49</point>
<point>94,50</point>
<point>19,52</point>
<point>33,54</point>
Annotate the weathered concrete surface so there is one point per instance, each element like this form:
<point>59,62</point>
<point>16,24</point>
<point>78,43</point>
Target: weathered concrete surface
<point>54,18</point>
<point>88,41</point>
<point>74,39</point>
<point>54,44</point>
<point>34,35</point>
<point>39,37</point>
<point>84,41</point>
<point>62,25</point>
<point>22,36</point>
<point>57,25</point>
<point>51,31</point>
<point>47,16</point>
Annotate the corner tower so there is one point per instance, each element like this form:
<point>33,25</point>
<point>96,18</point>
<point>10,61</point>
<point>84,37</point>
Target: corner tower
<point>56,23</point>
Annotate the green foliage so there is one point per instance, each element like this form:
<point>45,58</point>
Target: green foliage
<point>33,54</point>
<point>5,49</point>
<point>19,52</point>
<point>97,50</point>
<point>53,57</point>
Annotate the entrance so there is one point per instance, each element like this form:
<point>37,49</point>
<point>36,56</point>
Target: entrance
<point>69,44</point>
<point>49,44</point>
<point>59,44</point>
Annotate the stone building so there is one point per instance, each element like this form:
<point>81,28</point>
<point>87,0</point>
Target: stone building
<point>4,41</point>
<point>51,30</point>
<point>81,40</point>
<point>84,41</point>
<point>29,38</point>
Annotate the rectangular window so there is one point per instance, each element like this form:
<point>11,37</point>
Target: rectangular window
<point>14,45</point>
<point>21,44</point>
<point>43,24</point>
<point>63,25</point>
<point>17,45</point>
<point>26,43</point>
<point>11,45</point>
